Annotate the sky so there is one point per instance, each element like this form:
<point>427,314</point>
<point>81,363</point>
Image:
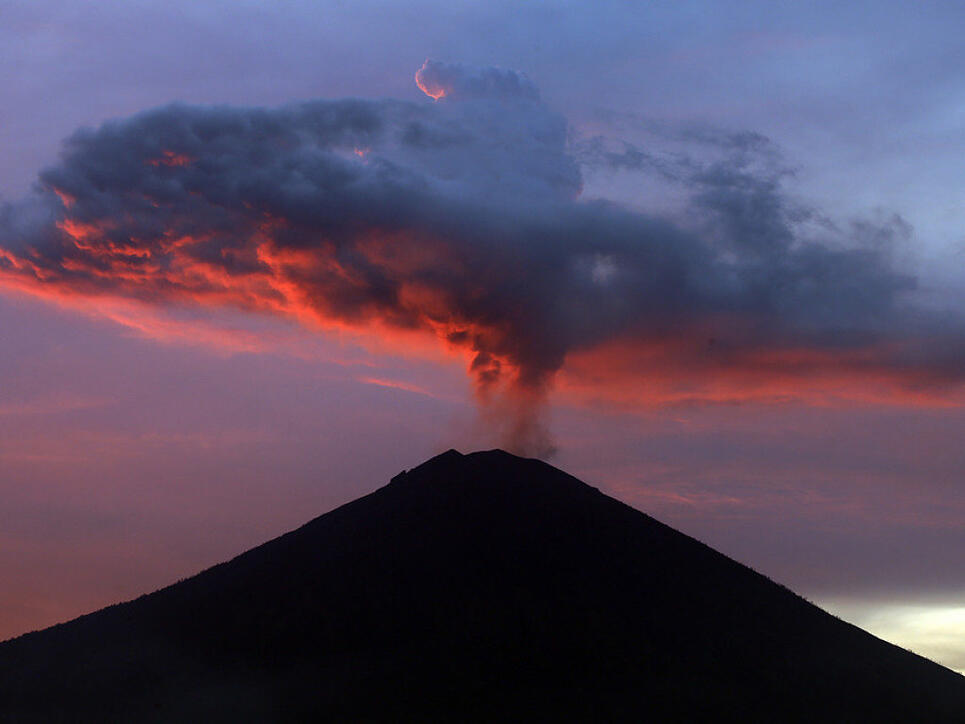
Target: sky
<point>705,257</point>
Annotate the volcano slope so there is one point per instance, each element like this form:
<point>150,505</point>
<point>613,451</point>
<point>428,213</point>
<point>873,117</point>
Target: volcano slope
<point>482,587</point>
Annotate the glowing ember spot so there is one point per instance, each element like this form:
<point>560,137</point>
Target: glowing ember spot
<point>429,86</point>
<point>171,158</point>
<point>362,152</point>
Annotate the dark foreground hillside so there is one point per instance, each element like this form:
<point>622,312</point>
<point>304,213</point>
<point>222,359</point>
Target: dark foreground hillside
<point>483,587</point>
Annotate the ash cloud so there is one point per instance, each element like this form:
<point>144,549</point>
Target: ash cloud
<point>462,217</point>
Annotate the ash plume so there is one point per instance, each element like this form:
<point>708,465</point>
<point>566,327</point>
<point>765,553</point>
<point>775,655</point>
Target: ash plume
<point>461,216</point>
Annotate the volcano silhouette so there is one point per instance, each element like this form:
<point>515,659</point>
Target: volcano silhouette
<point>482,587</point>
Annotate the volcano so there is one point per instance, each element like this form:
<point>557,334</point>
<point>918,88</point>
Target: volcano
<point>481,587</point>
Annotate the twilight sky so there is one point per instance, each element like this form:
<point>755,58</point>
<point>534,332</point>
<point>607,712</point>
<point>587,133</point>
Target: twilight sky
<point>710,255</point>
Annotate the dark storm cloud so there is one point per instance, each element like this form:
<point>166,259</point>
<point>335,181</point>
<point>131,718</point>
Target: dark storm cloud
<point>462,217</point>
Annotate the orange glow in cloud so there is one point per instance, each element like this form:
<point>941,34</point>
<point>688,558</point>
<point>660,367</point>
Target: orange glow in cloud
<point>171,158</point>
<point>77,230</point>
<point>310,285</point>
<point>65,198</point>
<point>102,279</point>
<point>662,373</point>
<point>431,88</point>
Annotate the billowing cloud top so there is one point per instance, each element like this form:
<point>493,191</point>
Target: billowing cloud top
<point>464,219</point>
<point>459,82</point>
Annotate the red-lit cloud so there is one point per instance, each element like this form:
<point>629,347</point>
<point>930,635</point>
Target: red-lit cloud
<point>631,373</point>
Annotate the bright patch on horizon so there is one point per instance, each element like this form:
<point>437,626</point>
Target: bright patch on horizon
<point>935,631</point>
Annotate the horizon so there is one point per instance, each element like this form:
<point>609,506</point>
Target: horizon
<point>208,344</point>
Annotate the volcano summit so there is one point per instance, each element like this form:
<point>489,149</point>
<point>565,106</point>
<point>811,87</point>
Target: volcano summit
<point>481,587</point>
